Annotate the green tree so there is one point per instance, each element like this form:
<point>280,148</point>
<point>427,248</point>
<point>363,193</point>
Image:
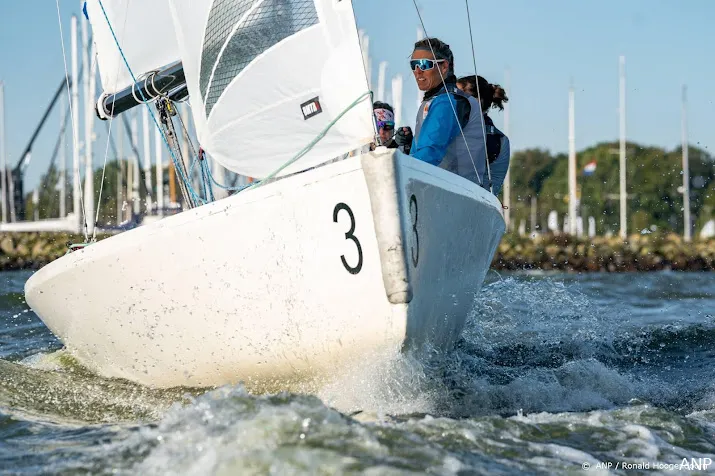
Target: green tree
<point>654,177</point>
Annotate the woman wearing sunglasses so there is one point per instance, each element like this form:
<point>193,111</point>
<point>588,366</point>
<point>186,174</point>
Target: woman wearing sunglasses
<point>448,131</point>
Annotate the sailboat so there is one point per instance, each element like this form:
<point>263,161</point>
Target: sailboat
<point>294,278</point>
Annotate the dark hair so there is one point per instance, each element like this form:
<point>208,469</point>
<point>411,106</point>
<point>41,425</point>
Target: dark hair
<point>441,50</point>
<point>382,105</point>
<point>492,94</point>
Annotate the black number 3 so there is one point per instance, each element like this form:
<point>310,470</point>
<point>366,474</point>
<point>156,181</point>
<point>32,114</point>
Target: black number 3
<point>416,248</point>
<point>349,236</point>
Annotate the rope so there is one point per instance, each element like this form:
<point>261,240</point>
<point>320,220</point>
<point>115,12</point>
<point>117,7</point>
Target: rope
<point>194,154</point>
<point>205,174</point>
<point>226,187</point>
<point>74,130</point>
<point>479,97</point>
<point>454,110</point>
<point>153,117</point>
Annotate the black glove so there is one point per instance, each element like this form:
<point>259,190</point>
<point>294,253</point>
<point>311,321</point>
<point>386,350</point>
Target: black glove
<point>403,138</point>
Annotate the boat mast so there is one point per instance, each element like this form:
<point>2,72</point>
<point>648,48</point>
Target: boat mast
<point>135,166</point>
<point>686,171</point>
<point>572,164</point>
<point>158,146</point>
<point>120,177</point>
<point>76,204</point>
<point>420,95</point>
<point>622,149</point>
<point>90,75</point>
<point>3,158</point>
<point>147,158</point>
<point>507,178</point>
<point>397,99</point>
<point>63,158</point>
<point>381,70</point>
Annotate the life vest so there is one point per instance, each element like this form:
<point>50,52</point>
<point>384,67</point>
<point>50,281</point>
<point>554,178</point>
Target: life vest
<point>494,139</point>
<point>462,156</point>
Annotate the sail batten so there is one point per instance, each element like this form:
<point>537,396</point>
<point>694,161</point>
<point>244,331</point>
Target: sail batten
<point>268,77</point>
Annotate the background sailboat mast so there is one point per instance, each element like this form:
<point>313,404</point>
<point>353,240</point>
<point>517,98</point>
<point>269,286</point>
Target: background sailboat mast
<point>76,204</point>
<point>158,143</point>
<point>63,158</point>
<point>686,172</point>
<point>572,164</point>
<point>420,95</point>
<point>3,158</point>
<point>507,179</point>
<point>147,157</point>
<point>120,178</point>
<point>135,166</point>
<point>397,99</point>
<point>622,159</point>
<point>88,71</point>
<point>381,71</point>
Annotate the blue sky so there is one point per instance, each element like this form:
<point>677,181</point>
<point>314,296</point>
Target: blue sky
<point>546,45</point>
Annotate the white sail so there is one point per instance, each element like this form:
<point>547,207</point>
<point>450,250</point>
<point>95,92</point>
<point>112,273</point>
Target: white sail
<point>144,31</point>
<point>266,77</point>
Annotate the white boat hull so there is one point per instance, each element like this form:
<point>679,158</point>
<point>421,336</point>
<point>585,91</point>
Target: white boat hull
<point>282,283</point>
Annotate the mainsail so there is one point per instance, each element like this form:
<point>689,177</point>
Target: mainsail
<point>143,29</point>
<point>267,77</point>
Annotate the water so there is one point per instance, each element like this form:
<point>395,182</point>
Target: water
<point>553,371</point>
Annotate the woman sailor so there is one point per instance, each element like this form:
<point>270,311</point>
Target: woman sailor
<point>449,130</point>
<point>498,150</point>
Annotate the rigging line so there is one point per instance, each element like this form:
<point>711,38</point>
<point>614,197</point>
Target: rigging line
<point>109,137</point>
<point>454,110</point>
<point>194,154</point>
<point>75,137</point>
<point>479,97</point>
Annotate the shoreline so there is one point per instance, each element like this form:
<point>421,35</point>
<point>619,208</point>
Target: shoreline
<point>653,252</point>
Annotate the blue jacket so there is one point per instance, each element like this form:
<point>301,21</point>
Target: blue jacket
<point>440,126</point>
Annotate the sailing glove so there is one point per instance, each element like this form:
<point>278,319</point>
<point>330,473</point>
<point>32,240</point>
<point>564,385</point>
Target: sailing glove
<point>403,138</point>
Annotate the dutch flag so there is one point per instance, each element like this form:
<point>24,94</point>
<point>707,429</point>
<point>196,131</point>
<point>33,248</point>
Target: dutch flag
<point>590,168</point>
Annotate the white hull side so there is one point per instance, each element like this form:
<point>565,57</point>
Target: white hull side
<point>458,228</point>
<point>257,287</point>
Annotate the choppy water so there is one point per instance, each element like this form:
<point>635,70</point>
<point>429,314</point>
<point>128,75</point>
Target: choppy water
<point>552,372</point>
